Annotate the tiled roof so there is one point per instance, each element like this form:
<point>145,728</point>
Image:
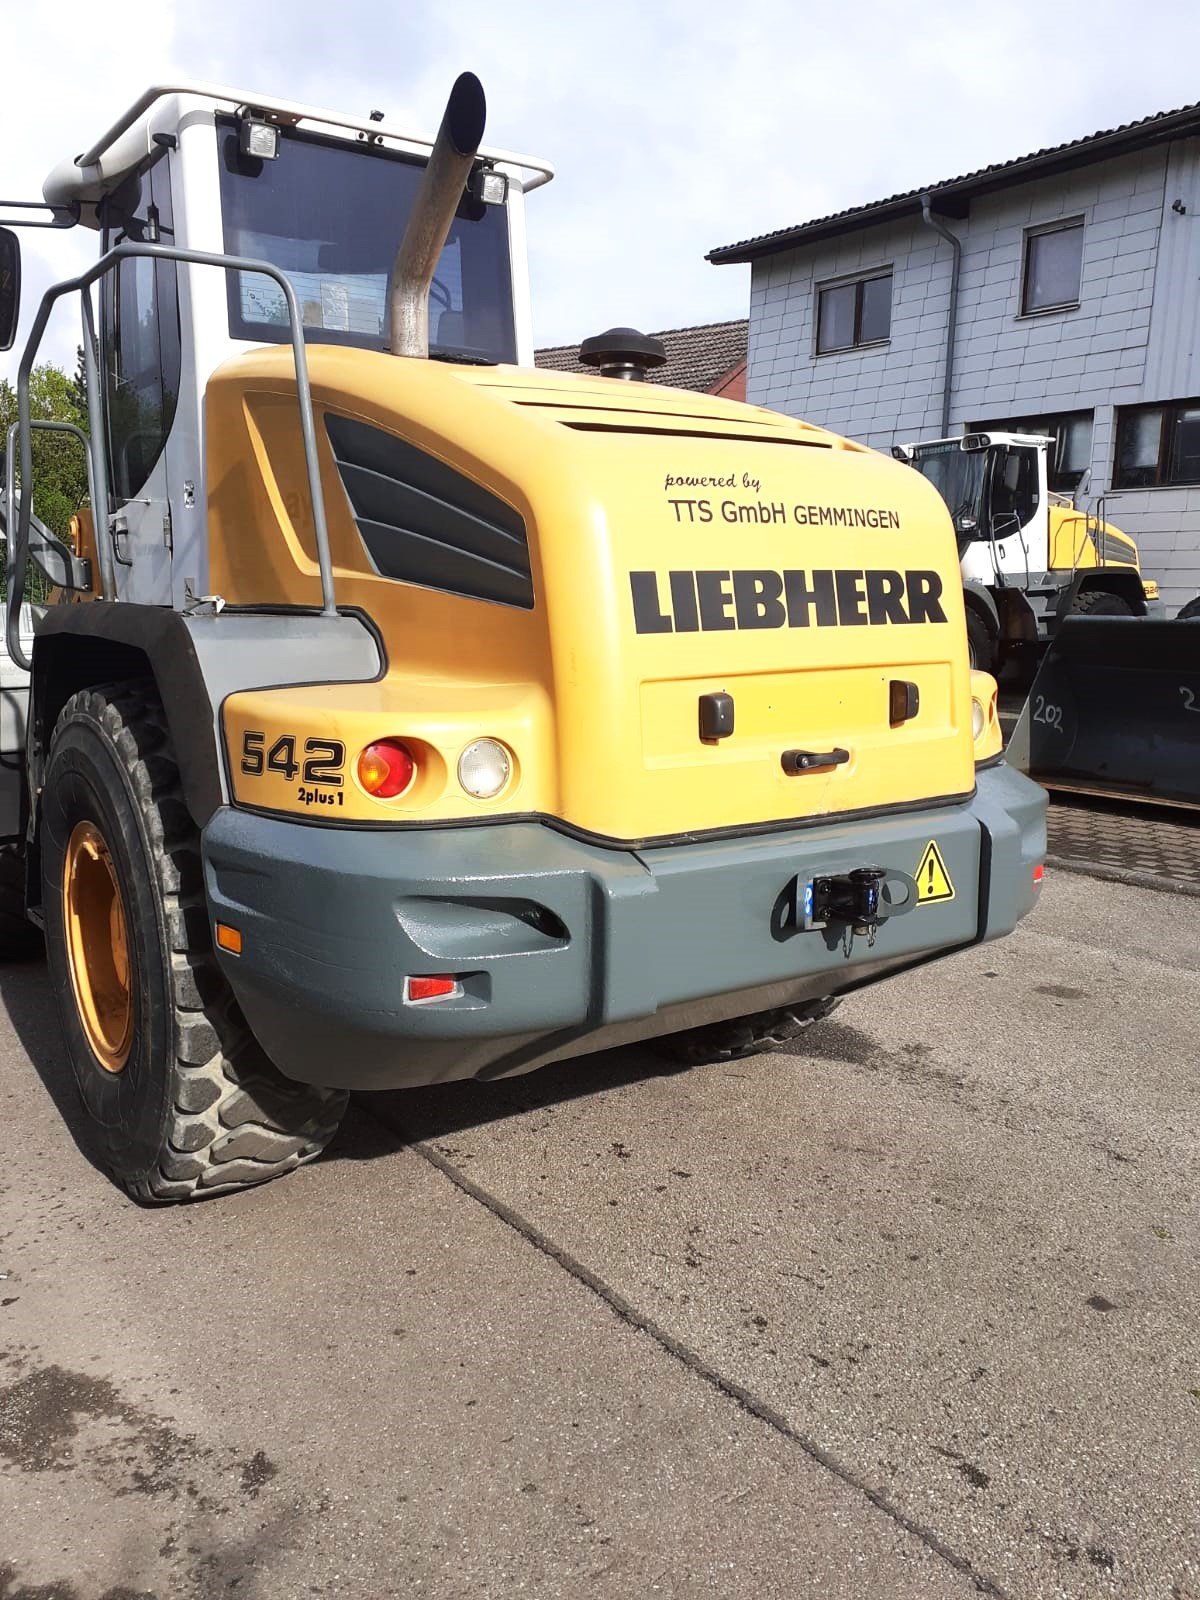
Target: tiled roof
<point>697,357</point>
<point>950,197</point>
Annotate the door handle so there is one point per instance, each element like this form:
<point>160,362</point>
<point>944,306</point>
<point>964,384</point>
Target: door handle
<point>797,762</point>
<point>118,529</point>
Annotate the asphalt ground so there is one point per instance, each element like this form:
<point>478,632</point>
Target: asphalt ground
<point>909,1309</point>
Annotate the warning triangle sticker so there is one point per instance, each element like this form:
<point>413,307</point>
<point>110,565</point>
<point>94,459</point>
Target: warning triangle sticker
<point>933,881</point>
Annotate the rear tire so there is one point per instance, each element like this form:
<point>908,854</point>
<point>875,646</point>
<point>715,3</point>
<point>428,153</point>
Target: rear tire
<point>1100,603</point>
<point>188,1104</point>
<point>1189,612</point>
<point>742,1036</point>
<point>19,939</point>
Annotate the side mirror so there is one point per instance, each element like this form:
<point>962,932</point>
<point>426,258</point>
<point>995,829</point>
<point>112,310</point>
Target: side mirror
<point>10,287</point>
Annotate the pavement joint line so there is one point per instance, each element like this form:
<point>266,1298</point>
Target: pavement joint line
<point>1137,880</point>
<point>641,1322</point>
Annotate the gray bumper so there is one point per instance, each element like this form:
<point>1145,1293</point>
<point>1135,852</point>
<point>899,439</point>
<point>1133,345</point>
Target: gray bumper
<point>563,946</point>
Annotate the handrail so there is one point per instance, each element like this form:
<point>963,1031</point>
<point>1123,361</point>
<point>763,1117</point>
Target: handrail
<point>291,111</point>
<point>19,549</point>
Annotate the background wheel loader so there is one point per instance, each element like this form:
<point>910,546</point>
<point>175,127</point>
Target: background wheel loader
<point>405,713</point>
<point>1114,704</point>
<point>1029,557</point>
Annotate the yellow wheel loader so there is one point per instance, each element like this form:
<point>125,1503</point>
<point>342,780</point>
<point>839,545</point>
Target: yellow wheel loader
<point>406,713</point>
<point>1114,704</point>
<point>1029,557</point>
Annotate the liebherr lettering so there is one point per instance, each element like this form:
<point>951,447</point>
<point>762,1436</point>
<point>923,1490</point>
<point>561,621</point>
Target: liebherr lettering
<point>719,602</point>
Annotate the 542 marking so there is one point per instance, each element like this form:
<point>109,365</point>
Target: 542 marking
<point>318,766</point>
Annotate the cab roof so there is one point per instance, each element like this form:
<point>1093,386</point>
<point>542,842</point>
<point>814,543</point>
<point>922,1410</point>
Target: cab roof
<point>83,180</point>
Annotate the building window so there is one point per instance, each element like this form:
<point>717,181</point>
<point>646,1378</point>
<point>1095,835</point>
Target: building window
<point>1068,458</point>
<point>854,314</point>
<point>1053,265</point>
<point>1158,446</point>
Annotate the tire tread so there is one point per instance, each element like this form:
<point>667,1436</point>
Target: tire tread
<point>235,1120</point>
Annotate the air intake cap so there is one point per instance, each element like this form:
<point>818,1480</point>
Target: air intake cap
<point>623,353</point>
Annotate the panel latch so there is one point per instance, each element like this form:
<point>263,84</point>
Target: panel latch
<point>716,717</point>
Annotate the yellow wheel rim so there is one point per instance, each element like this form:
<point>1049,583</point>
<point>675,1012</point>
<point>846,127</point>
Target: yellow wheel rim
<point>98,946</point>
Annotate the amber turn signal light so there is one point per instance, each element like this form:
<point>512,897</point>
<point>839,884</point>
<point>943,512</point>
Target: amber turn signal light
<point>386,768</point>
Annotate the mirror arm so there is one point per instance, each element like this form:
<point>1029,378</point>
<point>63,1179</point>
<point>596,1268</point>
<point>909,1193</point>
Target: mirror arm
<point>60,216</point>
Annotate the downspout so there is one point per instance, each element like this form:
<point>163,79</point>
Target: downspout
<point>930,221</point>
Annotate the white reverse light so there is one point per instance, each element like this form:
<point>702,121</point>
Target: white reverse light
<point>484,768</point>
<point>978,718</point>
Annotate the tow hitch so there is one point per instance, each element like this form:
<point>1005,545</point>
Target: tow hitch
<point>857,901</point>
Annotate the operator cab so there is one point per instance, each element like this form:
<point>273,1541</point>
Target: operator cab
<point>322,198</point>
<point>993,483</point>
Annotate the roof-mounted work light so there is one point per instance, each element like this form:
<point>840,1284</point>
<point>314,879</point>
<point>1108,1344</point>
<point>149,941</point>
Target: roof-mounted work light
<point>488,186</point>
<point>257,137</point>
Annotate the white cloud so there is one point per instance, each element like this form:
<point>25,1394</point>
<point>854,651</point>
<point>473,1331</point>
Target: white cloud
<point>675,125</point>
<point>65,81</point>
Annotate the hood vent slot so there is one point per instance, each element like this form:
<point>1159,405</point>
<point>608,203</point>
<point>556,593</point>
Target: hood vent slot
<point>422,522</point>
<point>738,436</point>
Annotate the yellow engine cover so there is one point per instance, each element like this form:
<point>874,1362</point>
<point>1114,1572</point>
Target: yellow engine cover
<point>677,546</point>
<point>1073,542</point>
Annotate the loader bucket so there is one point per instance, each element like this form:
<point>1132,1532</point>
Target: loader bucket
<point>1115,710</point>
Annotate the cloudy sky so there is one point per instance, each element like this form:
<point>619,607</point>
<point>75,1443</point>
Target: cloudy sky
<point>674,126</point>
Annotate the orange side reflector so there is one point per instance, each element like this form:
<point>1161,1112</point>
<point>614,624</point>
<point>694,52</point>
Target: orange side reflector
<point>229,938</point>
<point>1039,872</point>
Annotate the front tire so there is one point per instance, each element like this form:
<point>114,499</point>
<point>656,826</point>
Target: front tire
<point>181,1101</point>
<point>1100,603</point>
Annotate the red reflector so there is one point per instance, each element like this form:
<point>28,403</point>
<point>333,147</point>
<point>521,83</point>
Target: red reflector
<point>1039,872</point>
<point>386,768</point>
<point>429,988</point>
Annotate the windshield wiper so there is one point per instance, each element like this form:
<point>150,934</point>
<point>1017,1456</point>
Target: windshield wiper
<point>461,358</point>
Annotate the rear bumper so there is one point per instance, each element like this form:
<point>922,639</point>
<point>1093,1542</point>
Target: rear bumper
<point>562,946</point>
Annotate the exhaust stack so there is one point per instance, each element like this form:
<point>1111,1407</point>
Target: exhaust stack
<point>441,189</point>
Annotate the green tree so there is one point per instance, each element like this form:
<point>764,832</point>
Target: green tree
<point>59,469</point>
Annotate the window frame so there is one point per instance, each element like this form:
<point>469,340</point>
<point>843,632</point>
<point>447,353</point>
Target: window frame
<point>856,283</point>
<point>1041,231</point>
<point>1168,414</point>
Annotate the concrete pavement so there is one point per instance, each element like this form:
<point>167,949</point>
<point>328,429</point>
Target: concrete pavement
<point>909,1309</point>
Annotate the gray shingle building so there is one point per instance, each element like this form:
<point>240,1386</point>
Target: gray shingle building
<point>1077,313</point>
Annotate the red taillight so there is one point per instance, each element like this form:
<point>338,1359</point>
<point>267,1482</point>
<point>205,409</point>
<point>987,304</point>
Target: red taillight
<point>1039,872</point>
<point>386,768</point>
<point>430,988</point>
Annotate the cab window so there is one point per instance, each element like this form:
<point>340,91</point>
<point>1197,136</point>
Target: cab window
<point>1014,490</point>
<point>140,332</point>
